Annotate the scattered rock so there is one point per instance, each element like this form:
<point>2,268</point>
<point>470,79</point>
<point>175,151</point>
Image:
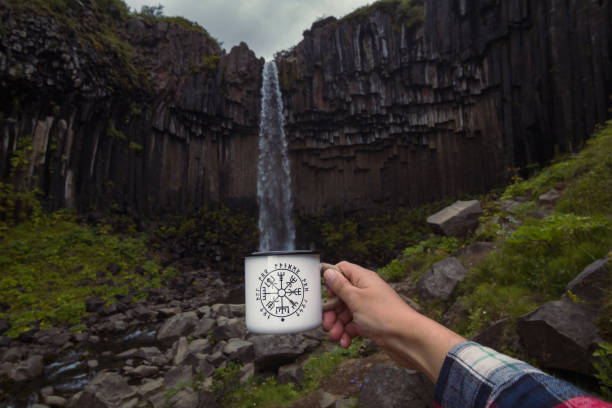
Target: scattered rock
<point>46,391</point>
<point>591,285</point>
<point>92,363</point>
<point>440,281</point>
<point>272,351</point>
<point>28,369</point>
<point>509,205</point>
<point>205,325</point>
<point>239,350</point>
<point>560,334</point>
<point>246,371</point>
<point>55,401</point>
<point>94,304</point>
<point>185,398</point>
<point>390,386</point>
<point>475,253</point>
<point>550,197</point>
<point>180,350</point>
<point>292,373</point>
<point>150,387</point>
<point>229,328</point>
<point>106,390</point>
<point>145,371</point>
<point>200,346</point>
<point>179,325</point>
<point>216,358</point>
<point>458,219</point>
<point>328,400</point>
<point>177,375</point>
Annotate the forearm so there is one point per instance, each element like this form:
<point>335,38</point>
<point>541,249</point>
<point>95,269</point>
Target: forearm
<point>418,342</point>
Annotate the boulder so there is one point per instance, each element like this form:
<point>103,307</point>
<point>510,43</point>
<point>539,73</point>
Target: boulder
<point>31,368</point>
<point>497,335</point>
<point>550,197</point>
<point>393,387</point>
<point>560,334</point>
<point>180,349</point>
<point>145,371</point>
<point>204,326</point>
<point>147,353</point>
<point>150,388</point>
<point>185,398</point>
<point>246,372</point>
<point>229,328</point>
<point>291,373</point>
<point>440,281</point>
<point>200,346</point>
<point>180,374</point>
<point>456,220</point>
<point>272,351</point>
<point>476,252</point>
<point>106,390</point>
<point>591,285</point>
<point>178,325</point>
<point>328,400</point>
<point>239,350</point>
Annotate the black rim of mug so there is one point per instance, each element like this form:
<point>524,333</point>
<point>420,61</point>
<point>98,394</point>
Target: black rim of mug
<point>294,252</point>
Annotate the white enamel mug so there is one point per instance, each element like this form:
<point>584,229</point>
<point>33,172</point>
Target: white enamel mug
<point>282,291</point>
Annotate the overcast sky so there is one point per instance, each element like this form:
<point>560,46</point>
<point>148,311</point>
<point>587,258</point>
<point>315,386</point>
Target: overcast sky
<point>267,26</point>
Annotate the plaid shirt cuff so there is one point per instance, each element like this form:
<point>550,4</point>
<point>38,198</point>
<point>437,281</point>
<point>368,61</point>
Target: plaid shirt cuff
<point>477,376</point>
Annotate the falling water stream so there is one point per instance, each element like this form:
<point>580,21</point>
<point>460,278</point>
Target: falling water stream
<point>276,228</point>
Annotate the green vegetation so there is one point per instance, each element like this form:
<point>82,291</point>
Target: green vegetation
<point>603,366</point>
<point>365,238</point>
<point>407,12</point>
<point>51,265</point>
<point>417,259</point>
<point>267,392</point>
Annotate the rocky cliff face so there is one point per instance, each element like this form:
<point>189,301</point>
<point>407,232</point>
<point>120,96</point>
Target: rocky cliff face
<point>151,115</point>
<point>382,111</point>
<point>155,117</point>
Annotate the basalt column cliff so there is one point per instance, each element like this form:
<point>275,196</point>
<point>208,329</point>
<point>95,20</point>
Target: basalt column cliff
<point>384,108</point>
<point>399,103</point>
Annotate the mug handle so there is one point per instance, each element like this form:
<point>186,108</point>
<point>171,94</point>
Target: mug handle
<point>334,302</point>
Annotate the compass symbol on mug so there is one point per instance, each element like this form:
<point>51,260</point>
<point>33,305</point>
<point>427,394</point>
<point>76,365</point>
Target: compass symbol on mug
<point>281,292</point>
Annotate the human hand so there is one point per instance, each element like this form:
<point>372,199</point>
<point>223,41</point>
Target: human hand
<point>371,308</point>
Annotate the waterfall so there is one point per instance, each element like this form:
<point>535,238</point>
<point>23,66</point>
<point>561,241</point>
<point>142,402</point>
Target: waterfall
<point>276,228</point>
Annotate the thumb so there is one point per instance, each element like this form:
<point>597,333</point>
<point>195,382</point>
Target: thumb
<point>338,283</point>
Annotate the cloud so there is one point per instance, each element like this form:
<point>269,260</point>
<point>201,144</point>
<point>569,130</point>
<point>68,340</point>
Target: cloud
<point>267,26</point>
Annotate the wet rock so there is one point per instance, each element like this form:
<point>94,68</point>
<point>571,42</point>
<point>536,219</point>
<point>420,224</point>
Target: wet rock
<point>106,390</point>
<point>272,351</point>
<point>440,281</point>
<point>92,364</point>
<point>31,368</point>
<point>147,353</point>
<point>179,325</point>
<point>550,197</point>
<point>560,334</point>
<point>291,373</point>
<point>390,386</point>
<point>127,354</point>
<point>229,328</point>
<point>46,391</point>
<point>458,219</point>
<point>239,350</point>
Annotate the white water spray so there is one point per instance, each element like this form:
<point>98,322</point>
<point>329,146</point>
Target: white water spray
<point>276,228</point>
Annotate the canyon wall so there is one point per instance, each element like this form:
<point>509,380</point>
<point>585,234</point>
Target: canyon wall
<point>151,116</point>
<point>156,118</point>
<point>384,111</point>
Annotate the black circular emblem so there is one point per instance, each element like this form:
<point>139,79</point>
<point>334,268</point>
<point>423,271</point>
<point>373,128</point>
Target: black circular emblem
<point>281,291</point>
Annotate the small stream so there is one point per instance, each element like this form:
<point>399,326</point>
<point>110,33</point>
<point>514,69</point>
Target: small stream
<point>69,373</point>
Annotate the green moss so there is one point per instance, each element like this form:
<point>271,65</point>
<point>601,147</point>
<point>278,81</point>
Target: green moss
<point>267,392</point>
<point>51,265</point>
<point>136,147</point>
<point>114,133</point>
<point>410,13</point>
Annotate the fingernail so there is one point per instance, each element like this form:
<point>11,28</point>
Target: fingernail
<point>330,276</point>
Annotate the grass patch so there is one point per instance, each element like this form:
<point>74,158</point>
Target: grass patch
<point>267,392</point>
<point>51,265</point>
<point>417,259</point>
